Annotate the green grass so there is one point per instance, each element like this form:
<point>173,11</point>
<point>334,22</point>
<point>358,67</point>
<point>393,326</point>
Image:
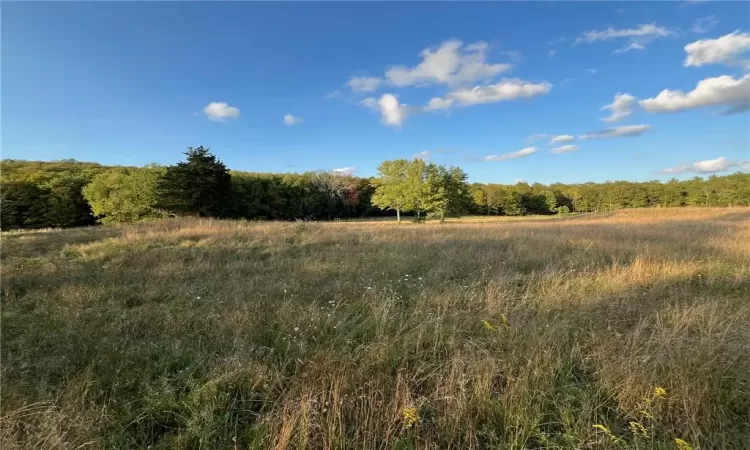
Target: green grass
<point>508,334</point>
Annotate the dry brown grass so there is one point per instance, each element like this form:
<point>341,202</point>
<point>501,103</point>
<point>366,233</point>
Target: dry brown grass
<point>500,334</point>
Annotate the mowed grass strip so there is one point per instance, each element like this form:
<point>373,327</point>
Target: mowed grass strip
<point>623,330</point>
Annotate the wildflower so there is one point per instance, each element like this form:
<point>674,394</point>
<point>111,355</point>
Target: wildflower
<point>296,329</point>
<point>601,427</point>
<point>198,298</point>
<point>638,429</point>
<point>486,324</point>
<point>660,392</point>
<point>504,320</point>
<point>605,430</point>
<point>646,414</point>
<point>682,445</point>
<point>410,416</point>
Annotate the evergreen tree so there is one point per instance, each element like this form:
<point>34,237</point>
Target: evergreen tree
<point>201,186</point>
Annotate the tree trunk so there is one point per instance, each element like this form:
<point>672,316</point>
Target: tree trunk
<point>398,214</point>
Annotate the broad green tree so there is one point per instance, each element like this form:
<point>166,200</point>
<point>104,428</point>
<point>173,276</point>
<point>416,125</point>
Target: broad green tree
<point>392,187</point>
<point>446,191</point>
<point>125,194</point>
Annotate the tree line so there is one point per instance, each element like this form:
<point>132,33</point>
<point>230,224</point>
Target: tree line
<point>69,193</point>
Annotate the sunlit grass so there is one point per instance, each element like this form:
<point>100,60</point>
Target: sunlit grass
<point>507,334</point>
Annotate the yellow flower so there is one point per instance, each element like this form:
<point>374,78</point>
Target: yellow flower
<point>608,433</point>
<point>682,445</point>
<point>660,392</point>
<point>599,426</point>
<point>488,325</point>
<point>637,428</point>
<point>410,416</point>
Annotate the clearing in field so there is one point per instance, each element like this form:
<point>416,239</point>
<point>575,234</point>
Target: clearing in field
<point>623,330</point>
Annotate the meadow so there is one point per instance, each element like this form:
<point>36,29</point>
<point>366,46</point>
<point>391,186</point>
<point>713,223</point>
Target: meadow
<point>610,331</point>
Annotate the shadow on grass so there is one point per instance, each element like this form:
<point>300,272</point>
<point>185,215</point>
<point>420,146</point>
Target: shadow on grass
<point>155,350</point>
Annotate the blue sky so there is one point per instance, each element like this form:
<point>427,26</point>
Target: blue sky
<point>132,83</point>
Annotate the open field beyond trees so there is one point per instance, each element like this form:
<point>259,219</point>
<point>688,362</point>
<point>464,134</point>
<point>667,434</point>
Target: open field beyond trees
<point>621,330</point>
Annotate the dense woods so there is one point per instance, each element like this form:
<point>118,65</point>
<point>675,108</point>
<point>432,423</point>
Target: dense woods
<point>68,193</point>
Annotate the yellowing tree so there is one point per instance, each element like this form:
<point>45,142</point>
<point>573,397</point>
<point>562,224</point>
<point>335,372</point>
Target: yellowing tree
<point>392,187</point>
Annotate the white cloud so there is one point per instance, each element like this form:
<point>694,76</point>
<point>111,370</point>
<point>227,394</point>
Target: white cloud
<point>424,155</point>
<point>437,103</point>
<point>344,170</point>
<point>704,24</point>
<point>621,107</point>
<point>391,111</point>
<point>692,2</point>
<point>507,89</point>
<point>720,164</point>
<point>561,138</point>
<point>644,31</point>
<point>519,154</point>
<point>722,50</point>
<point>551,53</point>
<point>220,111</point>
<point>537,137</point>
<point>364,84</point>
<point>565,149</point>
<point>630,46</point>
<point>292,120</point>
<point>626,130</point>
<point>333,94</point>
<point>448,64</point>
<point>720,91</point>
<point>638,37</point>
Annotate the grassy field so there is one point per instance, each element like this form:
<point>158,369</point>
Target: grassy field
<point>627,330</point>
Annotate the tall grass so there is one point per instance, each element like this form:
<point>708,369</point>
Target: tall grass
<point>519,334</point>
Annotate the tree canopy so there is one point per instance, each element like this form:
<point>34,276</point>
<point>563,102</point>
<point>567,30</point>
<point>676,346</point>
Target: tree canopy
<point>68,193</point>
<point>201,185</point>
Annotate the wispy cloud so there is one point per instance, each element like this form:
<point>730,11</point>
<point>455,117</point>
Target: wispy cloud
<point>565,149</point>
<point>290,120</point>
<point>704,24</point>
<point>720,164</point>
<point>364,84</point>
<point>637,37</point>
<point>507,89</point>
<point>561,138</point>
<point>692,2</point>
<point>424,155</point>
<point>621,107</point>
<point>519,154</point>
<point>626,130</point>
